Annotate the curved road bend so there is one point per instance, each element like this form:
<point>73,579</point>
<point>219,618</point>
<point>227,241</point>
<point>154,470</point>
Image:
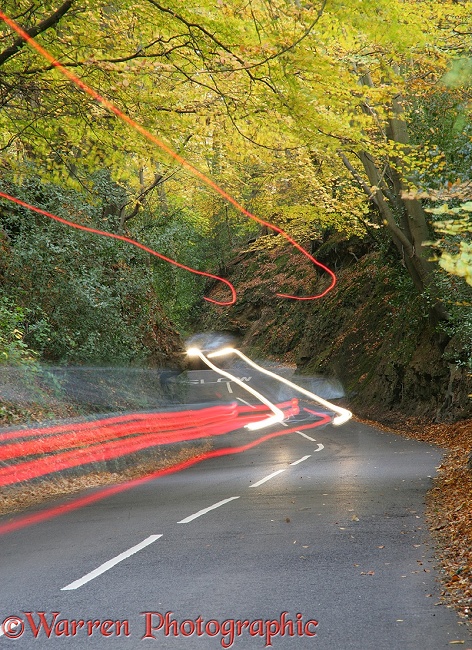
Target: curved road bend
<point>327,525</point>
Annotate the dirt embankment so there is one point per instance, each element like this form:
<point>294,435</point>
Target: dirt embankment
<point>372,331</point>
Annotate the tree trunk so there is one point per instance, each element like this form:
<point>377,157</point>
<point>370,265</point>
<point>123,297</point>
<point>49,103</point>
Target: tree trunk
<point>405,219</point>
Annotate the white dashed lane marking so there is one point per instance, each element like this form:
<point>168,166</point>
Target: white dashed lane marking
<point>305,435</point>
<point>244,402</point>
<point>267,478</point>
<point>111,563</point>
<point>205,510</point>
<point>300,460</point>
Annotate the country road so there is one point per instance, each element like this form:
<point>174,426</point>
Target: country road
<point>315,539</point>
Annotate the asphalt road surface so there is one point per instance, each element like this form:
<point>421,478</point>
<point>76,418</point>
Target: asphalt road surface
<point>310,540</point>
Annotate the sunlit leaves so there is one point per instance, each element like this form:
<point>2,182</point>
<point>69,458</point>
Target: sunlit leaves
<point>456,251</point>
<point>459,74</point>
<point>13,349</point>
<point>459,264</point>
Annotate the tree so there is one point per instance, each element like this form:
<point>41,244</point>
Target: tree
<point>275,83</point>
<point>383,73</point>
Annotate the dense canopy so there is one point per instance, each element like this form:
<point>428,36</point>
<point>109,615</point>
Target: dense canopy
<point>352,116</point>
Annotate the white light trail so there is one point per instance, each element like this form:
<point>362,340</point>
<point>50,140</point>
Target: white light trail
<point>278,416</point>
<point>343,414</point>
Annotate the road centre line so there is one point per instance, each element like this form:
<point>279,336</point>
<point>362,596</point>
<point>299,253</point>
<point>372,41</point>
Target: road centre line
<point>244,402</point>
<point>228,385</point>
<point>205,510</point>
<point>306,436</point>
<point>152,538</point>
<point>111,563</point>
<point>300,460</point>
<point>267,478</point>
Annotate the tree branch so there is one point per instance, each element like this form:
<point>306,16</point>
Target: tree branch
<point>357,177</point>
<point>45,24</point>
<point>244,66</point>
<point>139,54</point>
<point>158,178</point>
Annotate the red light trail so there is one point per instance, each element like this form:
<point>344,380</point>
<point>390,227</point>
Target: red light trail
<point>184,163</point>
<point>102,431</point>
<point>102,443</point>
<point>80,502</point>
<point>129,241</point>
